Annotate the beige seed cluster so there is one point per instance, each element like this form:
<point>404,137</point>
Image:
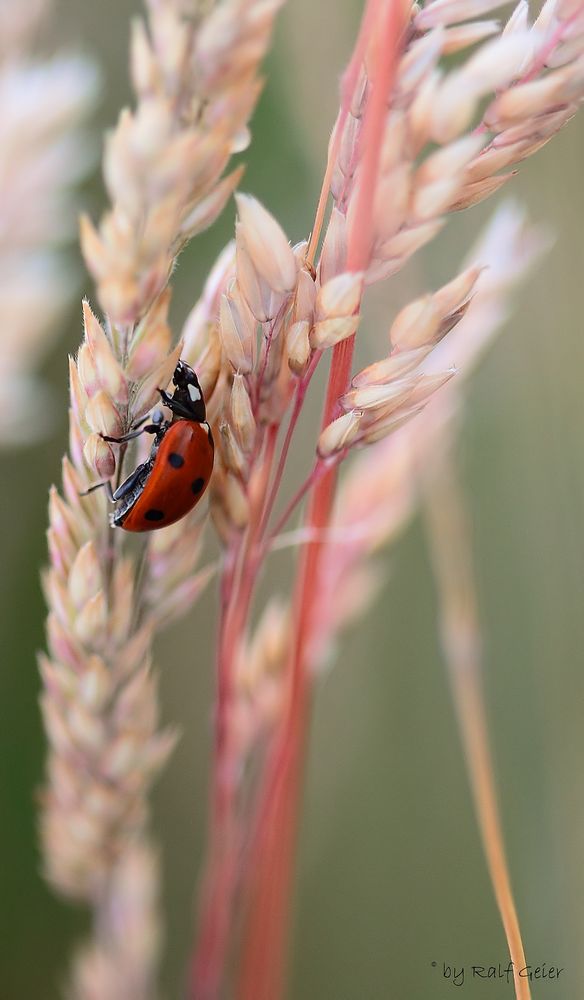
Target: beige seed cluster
<point>527,103</point>
<point>246,309</point>
<point>380,492</point>
<point>196,80</point>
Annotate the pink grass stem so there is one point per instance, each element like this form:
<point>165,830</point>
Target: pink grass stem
<point>301,391</point>
<point>348,86</point>
<point>220,881</point>
<point>263,961</point>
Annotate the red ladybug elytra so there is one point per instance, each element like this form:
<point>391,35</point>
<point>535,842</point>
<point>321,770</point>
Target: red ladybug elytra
<point>177,472</point>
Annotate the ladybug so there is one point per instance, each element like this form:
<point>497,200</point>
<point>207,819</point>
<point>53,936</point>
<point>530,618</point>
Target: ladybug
<point>177,472</point>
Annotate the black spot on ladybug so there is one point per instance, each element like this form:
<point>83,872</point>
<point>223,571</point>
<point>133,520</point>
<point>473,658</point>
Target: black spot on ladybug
<point>197,485</point>
<point>154,515</point>
<point>176,460</point>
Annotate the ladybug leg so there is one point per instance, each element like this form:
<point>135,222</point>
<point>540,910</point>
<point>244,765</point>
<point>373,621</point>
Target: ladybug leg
<point>137,429</point>
<point>157,418</point>
<point>149,429</point>
<point>106,484</point>
<point>128,485</point>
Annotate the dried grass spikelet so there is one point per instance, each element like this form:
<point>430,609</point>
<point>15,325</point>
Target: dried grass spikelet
<point>42,103</point>
<point>247,307</point>
<point>386,394</point>
<point>100,702</point>
<point>162,166</point>
<point>164,161</point>
<point>380,491</point>
<point>417,187</point>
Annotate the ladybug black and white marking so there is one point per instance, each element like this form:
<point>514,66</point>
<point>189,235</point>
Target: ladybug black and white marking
<point>177,472</point>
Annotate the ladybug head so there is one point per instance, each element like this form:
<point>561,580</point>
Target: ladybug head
<point>187,397</point>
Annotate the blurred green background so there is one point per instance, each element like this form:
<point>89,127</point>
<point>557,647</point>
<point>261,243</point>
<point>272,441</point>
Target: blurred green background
<point>392,876</point>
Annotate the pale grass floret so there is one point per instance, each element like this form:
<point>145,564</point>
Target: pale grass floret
<point>431,105</point>
<point>164,161</point>
<point>163,167</point>
<point>43,155</point>
<point>381,490</point>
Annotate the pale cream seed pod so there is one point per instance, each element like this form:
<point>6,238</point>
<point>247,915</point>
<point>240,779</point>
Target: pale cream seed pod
<point>255,291</point>
<point>347,148</point>
<point>415,325</point>
<point>209,209</point>
<point>386,397</point>
<point>452,295</point>
<point>242,418</point>
<point>430,200</point>
<point>235,335</point>
<point>491,160</point>
<point>99,456</point>
<point>152,339</point>
<point>146,394</point>
<point>61,517</point>
<point>78,394</point>
<point>411,239</point>
<point>109,372</point>
<point>208,363</point>
<point>473,194</point>
<point>427,385</point>
<point>90,623</point>
<point>102,416</point>
<point>149,353</point>
<point>298,346</point>
<point>334,250</point>
<point>421,111</point>
<point>95,685</point>
<point>340,296</point>
<point>95,253</point>
<point>386,425</point>
<point>392,201</point>
<point>329,332</point>
<point>450,159</point>
<point>464,35</point>
<point>448,109</point>
<point>305,298</point>
<point>231,451</point>
<point>85,577</point>
<point>390,368</point>
<point>236,502</point>
<point>267,245</point>
<point>339,434</point>
<point>87,371</point>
